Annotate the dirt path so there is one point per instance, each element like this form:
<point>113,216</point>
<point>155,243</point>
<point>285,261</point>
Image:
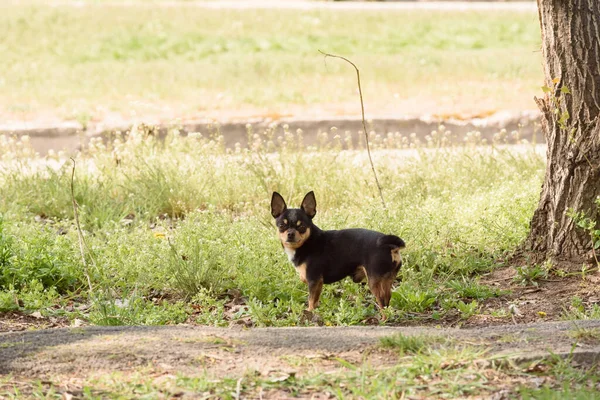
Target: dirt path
<point>224,352</point>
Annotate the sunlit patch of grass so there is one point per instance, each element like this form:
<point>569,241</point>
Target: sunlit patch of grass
<point>187,219</point>
<point>410,344</point>
<point>204,60</point>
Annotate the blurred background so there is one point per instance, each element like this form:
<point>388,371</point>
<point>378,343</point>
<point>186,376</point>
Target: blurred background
<point>102,64</point>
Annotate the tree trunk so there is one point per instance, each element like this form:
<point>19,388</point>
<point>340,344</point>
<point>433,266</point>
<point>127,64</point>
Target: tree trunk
<point>571,56</point>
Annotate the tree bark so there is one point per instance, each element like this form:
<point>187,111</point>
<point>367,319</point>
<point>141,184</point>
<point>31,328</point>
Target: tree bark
<point>571,56</point>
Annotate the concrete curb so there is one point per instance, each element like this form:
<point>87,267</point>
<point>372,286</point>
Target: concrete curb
<point>71,136</point>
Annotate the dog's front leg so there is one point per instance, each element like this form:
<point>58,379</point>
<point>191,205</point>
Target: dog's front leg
<point>314,292</point>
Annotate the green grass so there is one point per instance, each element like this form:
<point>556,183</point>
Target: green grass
<point>177,229</point>
<point>412,344</point>
<point>586,335</point>
<point>578,310</point>
<point>87,62</point>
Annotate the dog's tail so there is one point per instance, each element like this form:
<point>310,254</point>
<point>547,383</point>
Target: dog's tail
<point>391,241</point>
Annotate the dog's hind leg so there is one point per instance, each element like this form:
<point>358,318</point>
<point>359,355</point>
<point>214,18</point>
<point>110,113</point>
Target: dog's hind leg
<point>359,274</point>
<point>381,287</point>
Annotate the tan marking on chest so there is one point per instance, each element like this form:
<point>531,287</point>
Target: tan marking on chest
<point>301,269</point>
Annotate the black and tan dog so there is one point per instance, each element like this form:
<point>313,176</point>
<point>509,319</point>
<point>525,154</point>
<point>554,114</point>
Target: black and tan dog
<point>329,256</point>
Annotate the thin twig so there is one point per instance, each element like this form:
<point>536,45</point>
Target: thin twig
<point>238,388</point>
<point>79,231</point>
<point>362,108</point>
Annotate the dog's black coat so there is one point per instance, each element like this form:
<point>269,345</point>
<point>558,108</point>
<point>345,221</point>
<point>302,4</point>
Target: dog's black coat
<point>327,256</point>
<point>336,254</point>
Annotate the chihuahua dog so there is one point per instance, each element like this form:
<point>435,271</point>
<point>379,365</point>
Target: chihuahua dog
<point>322,257</point>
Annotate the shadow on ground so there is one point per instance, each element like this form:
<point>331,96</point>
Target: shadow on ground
<point>223,352</point>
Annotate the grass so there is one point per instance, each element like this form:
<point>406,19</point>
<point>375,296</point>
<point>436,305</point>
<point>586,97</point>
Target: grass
<point>586,335</point>
<point>180,229</point>
<point>411,344</point>
<point>85,63</point>
<point>578,310</point>
<point>530,274</point>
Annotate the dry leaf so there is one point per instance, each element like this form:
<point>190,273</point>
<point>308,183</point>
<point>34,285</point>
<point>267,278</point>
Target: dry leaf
<point>37,315</point>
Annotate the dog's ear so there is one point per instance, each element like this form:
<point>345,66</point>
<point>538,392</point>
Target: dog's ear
<point>309,204</point>
<point>278,206</point>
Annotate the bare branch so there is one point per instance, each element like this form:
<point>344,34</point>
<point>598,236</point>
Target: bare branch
<point>79,231</point>
<point>362,108</point>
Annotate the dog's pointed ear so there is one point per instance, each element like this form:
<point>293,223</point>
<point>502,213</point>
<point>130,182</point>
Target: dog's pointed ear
<point>278,205</point>
<point>309,204</point>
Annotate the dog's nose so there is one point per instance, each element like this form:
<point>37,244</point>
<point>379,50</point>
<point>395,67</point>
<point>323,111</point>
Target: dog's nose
<point>290,235</point>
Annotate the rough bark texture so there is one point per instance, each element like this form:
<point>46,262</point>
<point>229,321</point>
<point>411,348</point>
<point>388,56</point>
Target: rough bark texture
<point>571,56</point>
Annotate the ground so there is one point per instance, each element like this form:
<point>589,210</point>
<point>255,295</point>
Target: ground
<point>547,299</point>
<point>66,358</point>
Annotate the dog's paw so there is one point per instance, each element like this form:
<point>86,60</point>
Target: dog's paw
<point>371,321</point>
<point>311,317</point>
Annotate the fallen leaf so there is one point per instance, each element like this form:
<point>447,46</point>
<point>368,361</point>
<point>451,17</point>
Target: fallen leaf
<point>281,377</point>
<point>77,323</point>
<point>37,315</point>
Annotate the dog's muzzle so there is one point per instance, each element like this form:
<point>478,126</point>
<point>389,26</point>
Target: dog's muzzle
<point>291,236</point>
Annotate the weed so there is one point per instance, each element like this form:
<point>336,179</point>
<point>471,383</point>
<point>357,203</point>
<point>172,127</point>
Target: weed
<point>586,335</point>
<point>33,256</point>
<point>501,313</point>
<point>467,310</point>
<point>413,299</point>
<point>530,274</point>
<point>467,288</point>
<point>198,265</point>
<point>578,310</point>
<point>136,311</point>
<point>411,344</point>
<point>9,299</point>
